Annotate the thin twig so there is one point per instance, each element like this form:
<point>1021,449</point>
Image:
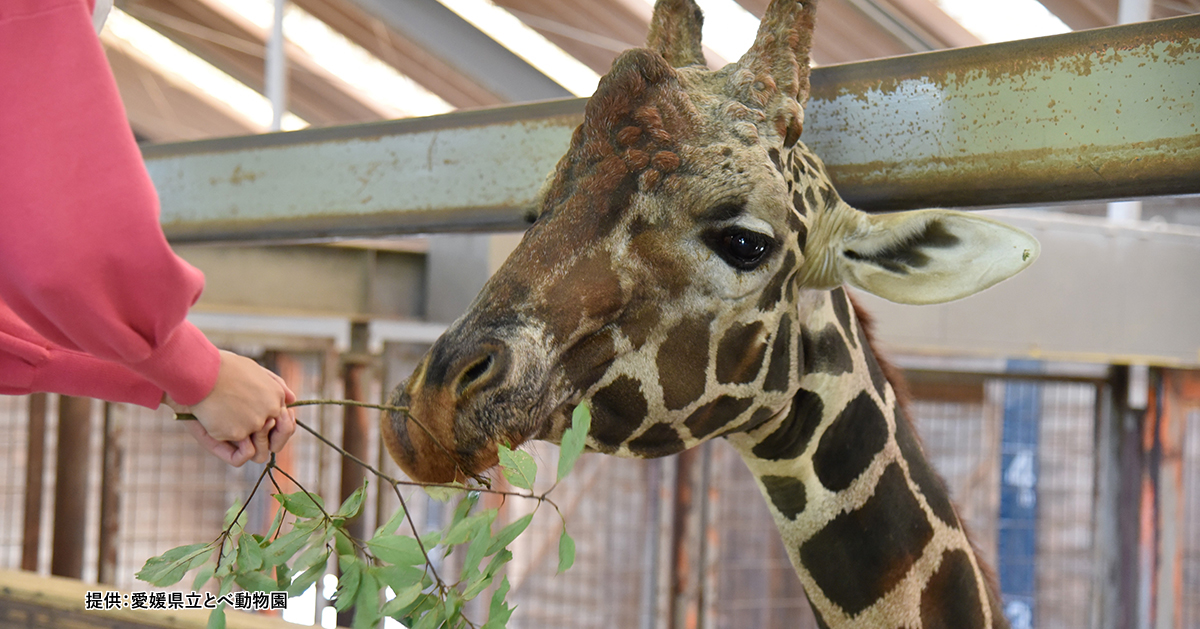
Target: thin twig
<point>382,407</point>
<point>229,529</point>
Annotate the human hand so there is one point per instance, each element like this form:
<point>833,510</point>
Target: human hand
<point>245,417</point>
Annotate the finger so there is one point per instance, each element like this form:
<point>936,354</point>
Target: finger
<point>223,450</point>
<point>262,442</point>
<point>243,451</point>
<point>285,427</point>
<point>288,395</point>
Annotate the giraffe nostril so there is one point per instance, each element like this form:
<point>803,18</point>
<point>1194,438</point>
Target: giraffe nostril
<point>479,372</point>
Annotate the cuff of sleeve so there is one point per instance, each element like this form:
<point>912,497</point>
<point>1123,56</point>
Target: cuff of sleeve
<point>185,366</point>
<point>74,373</point>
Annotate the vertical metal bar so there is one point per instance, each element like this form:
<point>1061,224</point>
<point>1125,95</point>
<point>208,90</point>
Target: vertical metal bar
<point>1017,527</point>
<point>70,488</point>
<point>706,573</point>
<point>276,68</point>
<point>1149,533</point>
<point>683,611</point>
<point>650,563</point>
<point>355,429</point>
<point>1128,516</point>
<point>1106,546</point>
<point>1172,503</point>
<point>34,473</point>
<point>113,452</point>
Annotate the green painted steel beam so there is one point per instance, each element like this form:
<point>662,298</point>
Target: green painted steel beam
<point>1101,114</point>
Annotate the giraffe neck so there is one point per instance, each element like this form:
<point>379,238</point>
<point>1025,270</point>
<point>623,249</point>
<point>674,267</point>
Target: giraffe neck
<point>867,524</point>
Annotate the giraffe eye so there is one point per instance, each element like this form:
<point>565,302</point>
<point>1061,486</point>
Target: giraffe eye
<point>743,249</point>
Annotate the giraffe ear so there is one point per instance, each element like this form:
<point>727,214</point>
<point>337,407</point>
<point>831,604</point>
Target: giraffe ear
<point>782,49</point>
<point>927,256</point>
<point>675,32</point>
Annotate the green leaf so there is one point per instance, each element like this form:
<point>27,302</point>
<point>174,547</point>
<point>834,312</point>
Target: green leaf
<point>275,523</point>
<point>286,546</point>
<point>216,619</point>
<point>508,534</point>
<point>400,577</point>
<point>444,494</point>
<point>466,529</point>
<point>167,569</point>
<point>226,586</point>
<point>309,576</point>
<point>341,543</point>
<point>431,539</point>
<point>234,510</point>
<point>400,550</point>
<point>476,551</point>
<point>353,503</point>
<point>366,603</point>
<point>499,612</point>
<point>205,573</point>
<point>566,552</point>
<point>464,508</point>
<point>316,554</point>
<point>482,580</point>
<point>302,504</point>
<point>249,554</point>
<point>392,525</point>
<point>403,599</point>
<point>433,618</point>
<point>519,467</point>
<point>574,439</point>
<point>348,583</point>
<point>255,582</point>
<point>306,579</point>
<point>283,576</point>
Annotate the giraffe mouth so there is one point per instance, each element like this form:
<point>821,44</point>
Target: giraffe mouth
<point>466,397</point>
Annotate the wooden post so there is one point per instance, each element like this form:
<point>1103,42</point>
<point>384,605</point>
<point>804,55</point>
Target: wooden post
<point>112,453</point>
<point>34,471</point>
<point>71,486</point>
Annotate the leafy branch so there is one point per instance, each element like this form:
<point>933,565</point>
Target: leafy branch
<point>294,560</point>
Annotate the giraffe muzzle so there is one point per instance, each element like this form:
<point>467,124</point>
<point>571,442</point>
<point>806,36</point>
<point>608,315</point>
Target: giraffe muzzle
<point>466,395</point>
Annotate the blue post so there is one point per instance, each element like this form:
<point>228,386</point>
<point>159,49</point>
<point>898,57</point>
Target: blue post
<point>1018,496</point>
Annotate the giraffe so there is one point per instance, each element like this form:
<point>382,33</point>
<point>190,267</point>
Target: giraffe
<point>684,273</point>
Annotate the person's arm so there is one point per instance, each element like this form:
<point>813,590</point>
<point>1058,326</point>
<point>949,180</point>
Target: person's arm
<point>83,260</point>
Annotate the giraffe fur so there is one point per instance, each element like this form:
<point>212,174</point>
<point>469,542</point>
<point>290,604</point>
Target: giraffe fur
<point>684,275</point>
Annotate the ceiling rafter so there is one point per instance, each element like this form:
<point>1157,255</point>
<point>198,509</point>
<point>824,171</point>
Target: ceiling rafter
<point>237,47</point>
<point>464,48</point>
<point>164,110</point>
<point>406,56</point>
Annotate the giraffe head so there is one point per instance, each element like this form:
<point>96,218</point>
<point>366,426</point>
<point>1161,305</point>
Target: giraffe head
<point>675,250</point>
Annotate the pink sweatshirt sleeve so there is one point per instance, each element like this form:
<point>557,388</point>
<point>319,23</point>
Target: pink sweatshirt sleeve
<point>83,260</point>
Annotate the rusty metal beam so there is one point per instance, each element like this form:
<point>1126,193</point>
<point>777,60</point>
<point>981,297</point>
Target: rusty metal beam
<point>1094,115</point>
<point>1100,114</point>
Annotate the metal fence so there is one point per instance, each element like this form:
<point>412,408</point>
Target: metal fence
<point>682,541</point>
